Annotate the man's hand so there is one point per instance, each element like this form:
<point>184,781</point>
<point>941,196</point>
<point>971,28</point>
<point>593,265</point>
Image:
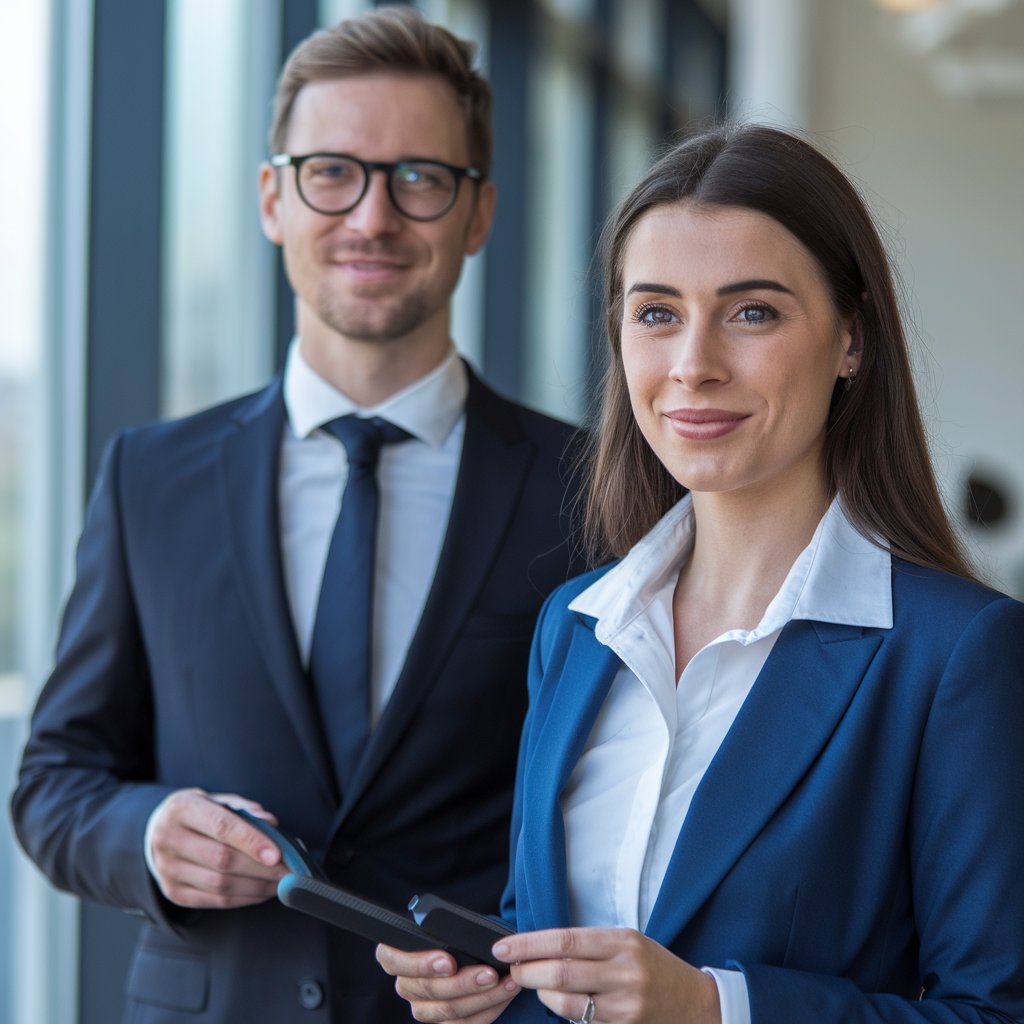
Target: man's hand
<point>436,992</point>
<point>203,855</point>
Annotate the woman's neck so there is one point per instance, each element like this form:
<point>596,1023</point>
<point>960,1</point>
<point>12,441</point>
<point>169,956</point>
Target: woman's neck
<point>744,547</point>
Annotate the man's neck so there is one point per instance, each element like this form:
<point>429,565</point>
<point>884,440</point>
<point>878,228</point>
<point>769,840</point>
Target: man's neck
<point>370,372</point>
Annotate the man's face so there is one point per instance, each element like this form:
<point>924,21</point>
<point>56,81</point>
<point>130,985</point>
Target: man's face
<point>373,275</point>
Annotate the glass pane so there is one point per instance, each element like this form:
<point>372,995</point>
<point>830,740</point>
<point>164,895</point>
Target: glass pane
<point>333,11</point>
<point>218,268</point>
<point>560,190</point>
<point>579,9</point>
<point>637,37</point>
<point>468,20</point>
<point>34,974</point>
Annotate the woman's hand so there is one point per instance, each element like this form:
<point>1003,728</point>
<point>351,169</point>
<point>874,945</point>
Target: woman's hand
<point>629,976</point>
<point>437,992</point>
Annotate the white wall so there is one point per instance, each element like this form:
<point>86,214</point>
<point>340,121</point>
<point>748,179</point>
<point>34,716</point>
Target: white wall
<point>945,177</point>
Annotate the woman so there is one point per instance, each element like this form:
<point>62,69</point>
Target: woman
<point>773,765</point>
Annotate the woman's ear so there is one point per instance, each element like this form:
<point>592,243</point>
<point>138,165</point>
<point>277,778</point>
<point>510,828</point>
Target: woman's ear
<point>852,339</point>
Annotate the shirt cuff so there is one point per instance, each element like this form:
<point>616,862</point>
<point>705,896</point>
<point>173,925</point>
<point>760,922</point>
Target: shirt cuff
<point>147,843</point>
<point>732,995</point>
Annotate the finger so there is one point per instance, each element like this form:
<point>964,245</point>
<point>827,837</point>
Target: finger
<point>470,982</point>
<point>210,818</point>
<point>185,895</point>
<point>196,853</point>
<point>435,1000</point>
<point>559,943</point>
<point>234,800</point>
<point>431,963</point>
<point>187,847</point>
<point>569,1006</point>
<point>436,992</point>
<point>578,977</point>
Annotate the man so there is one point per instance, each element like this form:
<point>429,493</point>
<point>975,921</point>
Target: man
<point>233,639</point>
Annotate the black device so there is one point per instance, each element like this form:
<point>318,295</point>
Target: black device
<point>435,923</point>
<point>463,929</point>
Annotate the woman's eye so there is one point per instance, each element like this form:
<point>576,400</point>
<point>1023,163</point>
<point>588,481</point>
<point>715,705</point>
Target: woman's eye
<point>756,313</point>
<point>653,316</point>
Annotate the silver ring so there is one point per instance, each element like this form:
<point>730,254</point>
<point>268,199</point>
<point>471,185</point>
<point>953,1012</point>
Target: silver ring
<point>588,1013</point>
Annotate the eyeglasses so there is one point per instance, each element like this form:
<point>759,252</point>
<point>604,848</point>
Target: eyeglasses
<point>334,183</point>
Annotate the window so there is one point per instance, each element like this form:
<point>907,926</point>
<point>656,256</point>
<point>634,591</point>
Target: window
<point>42,251</point>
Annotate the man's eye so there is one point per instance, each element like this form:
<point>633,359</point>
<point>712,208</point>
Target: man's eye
<point>330,171</point>
<point>422,178</point>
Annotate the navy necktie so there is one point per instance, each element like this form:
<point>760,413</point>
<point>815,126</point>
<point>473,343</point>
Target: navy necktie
<point>339,660</point>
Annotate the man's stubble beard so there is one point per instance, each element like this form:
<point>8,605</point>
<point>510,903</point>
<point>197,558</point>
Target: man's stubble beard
<point>375,320</point>
<point>381,318</point>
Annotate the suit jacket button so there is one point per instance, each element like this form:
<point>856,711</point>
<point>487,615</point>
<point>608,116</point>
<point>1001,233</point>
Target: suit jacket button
<point>311,994</point>
<point>342,854</point>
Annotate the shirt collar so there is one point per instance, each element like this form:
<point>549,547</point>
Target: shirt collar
<point>840,577</point>
<point>428,408</point>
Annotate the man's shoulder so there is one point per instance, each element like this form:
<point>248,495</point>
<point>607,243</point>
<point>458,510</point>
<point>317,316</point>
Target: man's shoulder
<point>487,406</point>
<point>168,453</point>
<point>204,425</point>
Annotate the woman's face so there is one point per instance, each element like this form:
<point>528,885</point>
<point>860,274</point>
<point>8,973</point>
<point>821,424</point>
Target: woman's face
<point>731,348</point>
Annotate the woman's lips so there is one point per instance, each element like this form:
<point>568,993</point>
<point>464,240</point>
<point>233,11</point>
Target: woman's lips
<point>704,424</point>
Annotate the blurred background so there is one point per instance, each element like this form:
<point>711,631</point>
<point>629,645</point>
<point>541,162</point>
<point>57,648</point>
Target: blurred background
<point>136,283</point>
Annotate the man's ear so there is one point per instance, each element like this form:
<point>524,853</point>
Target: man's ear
<point>483,217</point>
<point>270,203</point>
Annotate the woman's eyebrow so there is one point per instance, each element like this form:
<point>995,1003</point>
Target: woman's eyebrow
<point>756,284</point>
<point>659,289</point>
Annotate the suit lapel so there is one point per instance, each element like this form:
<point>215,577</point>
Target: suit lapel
<point>802,692</point>
<point>250,458</point>
<point>496,457</point>
<point>556,741</point>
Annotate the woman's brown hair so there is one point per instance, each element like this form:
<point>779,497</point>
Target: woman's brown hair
<point>876,455</point>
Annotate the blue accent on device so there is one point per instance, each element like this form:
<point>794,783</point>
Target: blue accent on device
<point>293,851</point>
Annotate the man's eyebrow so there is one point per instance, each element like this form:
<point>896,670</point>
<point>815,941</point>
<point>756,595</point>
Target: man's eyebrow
<point>659,289</point>
<point>755,284</point>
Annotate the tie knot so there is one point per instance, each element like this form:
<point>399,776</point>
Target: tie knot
<point>363,438</point>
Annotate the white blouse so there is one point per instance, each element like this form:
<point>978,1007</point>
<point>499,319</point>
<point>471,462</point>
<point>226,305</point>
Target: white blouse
<point>653,740</point>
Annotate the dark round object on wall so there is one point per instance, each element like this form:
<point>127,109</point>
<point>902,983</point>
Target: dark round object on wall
<point>985,500</point>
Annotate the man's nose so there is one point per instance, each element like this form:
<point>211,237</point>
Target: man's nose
<point>374,214</point>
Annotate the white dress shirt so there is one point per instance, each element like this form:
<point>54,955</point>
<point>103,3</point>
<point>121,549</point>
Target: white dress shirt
<point>416,481</point>
<point>653,740</point>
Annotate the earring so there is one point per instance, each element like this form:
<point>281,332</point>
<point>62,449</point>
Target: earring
<point>851,378</point>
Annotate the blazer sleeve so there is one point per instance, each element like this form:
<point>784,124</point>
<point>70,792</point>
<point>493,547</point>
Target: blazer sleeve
<point>85,789</point>
<point>541,641</point>
<point>965,840</point>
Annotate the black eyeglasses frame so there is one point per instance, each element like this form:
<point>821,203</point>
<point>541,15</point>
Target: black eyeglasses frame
<point>369,167</point>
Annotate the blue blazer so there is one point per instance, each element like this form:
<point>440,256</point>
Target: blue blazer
<point>859,835</point>
<point>177,666</point>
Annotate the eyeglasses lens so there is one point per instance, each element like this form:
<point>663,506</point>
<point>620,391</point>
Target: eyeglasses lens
<point>335,184</point>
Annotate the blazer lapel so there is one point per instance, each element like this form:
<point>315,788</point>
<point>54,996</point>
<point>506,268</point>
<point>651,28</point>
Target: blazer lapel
<point>496,458</point>
<point>804,689</point>
<point>250,459</point>
<point>555,742</point>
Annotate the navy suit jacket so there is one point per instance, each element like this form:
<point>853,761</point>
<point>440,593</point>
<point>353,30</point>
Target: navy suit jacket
<point>859,835</point>
<point>177,666</point>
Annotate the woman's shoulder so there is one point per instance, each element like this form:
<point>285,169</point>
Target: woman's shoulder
<point>943,602</point>
<point>556,614</point>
